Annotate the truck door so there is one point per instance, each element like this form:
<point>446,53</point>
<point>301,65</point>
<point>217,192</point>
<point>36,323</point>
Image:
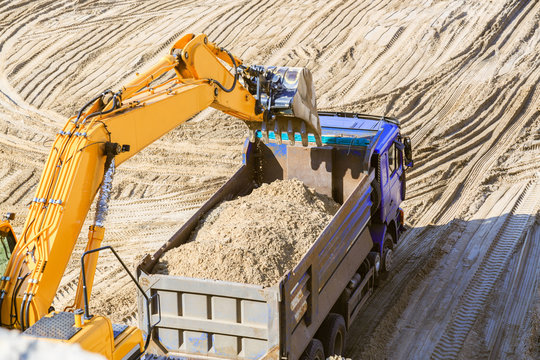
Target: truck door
<point>395,170</point>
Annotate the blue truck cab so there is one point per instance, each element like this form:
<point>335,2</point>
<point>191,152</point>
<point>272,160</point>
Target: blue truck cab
<point>389,155</point>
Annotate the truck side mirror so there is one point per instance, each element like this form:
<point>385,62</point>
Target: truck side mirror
<point>408,151</point>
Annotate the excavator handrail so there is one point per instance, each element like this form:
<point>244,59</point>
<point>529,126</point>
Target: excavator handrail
<point>87,315</point>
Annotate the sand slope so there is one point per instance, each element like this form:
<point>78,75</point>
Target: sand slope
<point>462,77</point>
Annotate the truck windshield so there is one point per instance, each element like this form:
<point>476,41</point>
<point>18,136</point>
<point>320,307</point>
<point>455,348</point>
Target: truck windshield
<point>7,243</point>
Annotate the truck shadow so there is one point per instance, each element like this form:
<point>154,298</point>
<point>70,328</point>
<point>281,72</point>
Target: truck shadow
<point>460,270</point>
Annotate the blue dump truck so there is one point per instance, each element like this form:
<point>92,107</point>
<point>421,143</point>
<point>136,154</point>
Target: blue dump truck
<point>361,165</point>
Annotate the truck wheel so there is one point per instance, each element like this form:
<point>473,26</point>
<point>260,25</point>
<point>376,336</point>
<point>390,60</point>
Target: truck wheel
<point>374,258</point>
<point>314,351</point>
<point>388,254</point>
<point>333,334</point>
<point>386,261</point>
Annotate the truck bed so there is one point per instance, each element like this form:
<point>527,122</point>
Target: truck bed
<point>203,318</point>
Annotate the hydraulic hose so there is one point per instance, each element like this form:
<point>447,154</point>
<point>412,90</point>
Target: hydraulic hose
<point>21,319</point>
<point>27,318</point>
<point>17,288</point>
<point>235,74</point>
<point>114,107</point>
<point>85,106</point>
<point>90,103</point>
<point>13,304</point>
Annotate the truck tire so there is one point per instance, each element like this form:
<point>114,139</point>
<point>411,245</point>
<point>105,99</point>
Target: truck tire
<point>314,351</point>
<point>387,256</point>
<point>374,258</point>
<point>333,334</point>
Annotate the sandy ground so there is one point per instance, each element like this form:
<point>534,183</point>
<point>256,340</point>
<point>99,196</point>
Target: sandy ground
<point>462,77</point>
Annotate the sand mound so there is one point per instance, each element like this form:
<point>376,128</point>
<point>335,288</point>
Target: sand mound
<point>253,239</point>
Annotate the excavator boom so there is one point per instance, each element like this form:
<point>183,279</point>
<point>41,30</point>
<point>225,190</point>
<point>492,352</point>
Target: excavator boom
<point>113,127</point>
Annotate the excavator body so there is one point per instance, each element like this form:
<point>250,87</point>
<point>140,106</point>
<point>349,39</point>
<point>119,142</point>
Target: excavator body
<point>107,131</point>
<point>96,334</point>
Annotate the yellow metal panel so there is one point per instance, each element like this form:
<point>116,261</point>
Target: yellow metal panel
<point>125,342</point>
<point>96,336</point>
<point>142,125</point>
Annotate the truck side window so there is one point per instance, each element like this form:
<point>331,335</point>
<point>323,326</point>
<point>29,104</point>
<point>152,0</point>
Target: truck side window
<point>392,159</point>
<point>7,243</point>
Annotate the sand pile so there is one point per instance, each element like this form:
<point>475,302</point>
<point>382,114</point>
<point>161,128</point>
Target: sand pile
<point>253,239</point>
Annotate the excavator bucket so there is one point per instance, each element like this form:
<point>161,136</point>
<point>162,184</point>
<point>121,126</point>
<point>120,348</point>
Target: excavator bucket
<point>287,96</point>
<point>285,106</point>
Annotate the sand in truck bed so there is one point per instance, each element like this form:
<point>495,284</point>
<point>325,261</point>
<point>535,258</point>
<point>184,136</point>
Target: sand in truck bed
<point>254,239</point>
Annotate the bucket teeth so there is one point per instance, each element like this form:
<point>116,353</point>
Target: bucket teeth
<point>277,132</point>
<point>264,131</point>
<point>318,139</point>
<point>290,132</point>
<point>304,134</point>
<point>281,126</point>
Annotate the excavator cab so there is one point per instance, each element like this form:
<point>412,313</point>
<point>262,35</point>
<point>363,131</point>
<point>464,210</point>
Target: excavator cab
<point>7,241</point>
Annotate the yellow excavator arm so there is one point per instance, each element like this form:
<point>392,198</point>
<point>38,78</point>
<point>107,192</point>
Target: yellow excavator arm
<point>113,127</point>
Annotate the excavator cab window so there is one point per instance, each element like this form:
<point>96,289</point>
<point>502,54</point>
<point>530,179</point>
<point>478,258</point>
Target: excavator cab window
<point>7,243</point>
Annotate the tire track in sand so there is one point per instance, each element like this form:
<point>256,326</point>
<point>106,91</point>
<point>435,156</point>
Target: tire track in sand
<point>492,266</point>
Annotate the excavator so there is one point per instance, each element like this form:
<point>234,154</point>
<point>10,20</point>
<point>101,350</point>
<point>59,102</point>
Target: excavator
<point>108,130</point>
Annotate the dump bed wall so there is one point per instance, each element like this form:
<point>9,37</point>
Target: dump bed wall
<point>331,170</point>
<point>313,287</point>
<point>214,318</point>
